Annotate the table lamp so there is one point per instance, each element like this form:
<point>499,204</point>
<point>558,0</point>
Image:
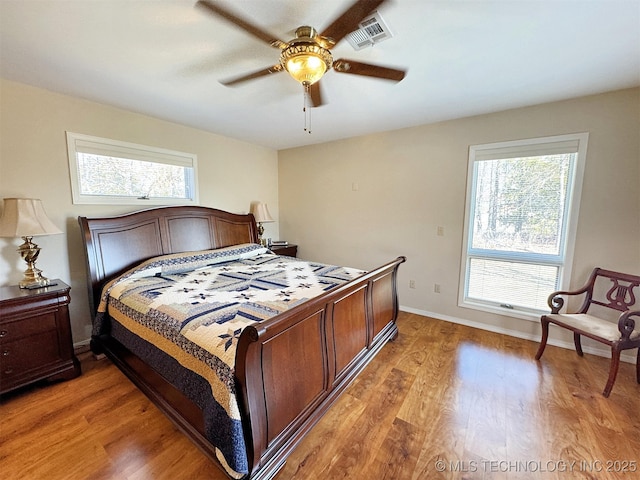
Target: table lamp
<point>262,215</point>
<point>25,217</point>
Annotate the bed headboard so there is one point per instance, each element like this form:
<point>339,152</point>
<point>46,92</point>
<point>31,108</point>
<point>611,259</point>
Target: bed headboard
<point>115,244</point>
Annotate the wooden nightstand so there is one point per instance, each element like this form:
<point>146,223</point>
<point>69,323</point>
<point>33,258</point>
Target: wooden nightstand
<point>35,336</point>
<point>289,250</point>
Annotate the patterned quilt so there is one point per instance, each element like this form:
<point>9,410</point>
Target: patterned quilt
<point>184,313</point>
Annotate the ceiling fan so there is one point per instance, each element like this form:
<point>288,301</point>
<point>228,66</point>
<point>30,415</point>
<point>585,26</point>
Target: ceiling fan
<point>308,57</point>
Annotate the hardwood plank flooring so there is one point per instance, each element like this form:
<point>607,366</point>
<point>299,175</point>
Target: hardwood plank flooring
<point>443,401</point>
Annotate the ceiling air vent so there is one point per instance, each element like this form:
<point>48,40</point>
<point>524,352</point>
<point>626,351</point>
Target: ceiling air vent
<point>372,30</point>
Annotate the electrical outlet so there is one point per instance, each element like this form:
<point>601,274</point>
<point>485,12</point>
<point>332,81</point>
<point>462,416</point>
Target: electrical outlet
<point>440,231</point>
<point>436,288</point>
<point>412,284</point>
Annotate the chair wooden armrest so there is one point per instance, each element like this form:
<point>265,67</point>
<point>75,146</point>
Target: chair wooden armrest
<point>626,324</point>
<point>604,289</point>
<point>556,300</point>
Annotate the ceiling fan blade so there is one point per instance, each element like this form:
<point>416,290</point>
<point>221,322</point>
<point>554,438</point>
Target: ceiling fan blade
<point>349,20</point>
<point>250,76</point>
<point>316,94</point>
<point>358,68</point>
<point>242,23</point>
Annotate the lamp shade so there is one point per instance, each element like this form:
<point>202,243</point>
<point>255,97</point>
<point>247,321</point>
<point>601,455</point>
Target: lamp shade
<point>261,212</point>
<point>25,217</point>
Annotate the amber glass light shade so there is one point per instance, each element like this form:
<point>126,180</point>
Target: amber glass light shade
<point>305,58</point>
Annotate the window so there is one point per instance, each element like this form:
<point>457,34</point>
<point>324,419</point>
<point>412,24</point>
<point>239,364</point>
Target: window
<point>112,172</point>
<point>520,221</point>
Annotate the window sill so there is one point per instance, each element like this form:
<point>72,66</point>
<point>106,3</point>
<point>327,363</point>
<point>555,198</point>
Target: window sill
<point>507,312</point>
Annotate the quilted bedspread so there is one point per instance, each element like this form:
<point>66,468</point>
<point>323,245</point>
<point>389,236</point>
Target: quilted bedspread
<point>184,313</point>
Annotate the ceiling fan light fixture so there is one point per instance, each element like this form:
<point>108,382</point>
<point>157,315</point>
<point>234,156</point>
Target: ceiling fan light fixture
<point>304,59</point>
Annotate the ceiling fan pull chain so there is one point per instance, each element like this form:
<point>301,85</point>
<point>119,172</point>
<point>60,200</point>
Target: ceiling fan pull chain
<point>305,109</point>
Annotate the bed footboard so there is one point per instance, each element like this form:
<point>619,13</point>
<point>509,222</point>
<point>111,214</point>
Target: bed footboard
<point>290,369</point>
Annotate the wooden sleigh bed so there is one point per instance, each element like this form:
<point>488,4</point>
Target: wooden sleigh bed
<point>288,369</point>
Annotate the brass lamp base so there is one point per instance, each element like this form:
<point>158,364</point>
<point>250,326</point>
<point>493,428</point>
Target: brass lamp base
<point>33,277</point>
<point>34,280</point>
<point>261,240</point>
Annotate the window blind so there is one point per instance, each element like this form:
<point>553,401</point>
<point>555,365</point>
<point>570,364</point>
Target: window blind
<point>131,151</point>
<point>520,150</point>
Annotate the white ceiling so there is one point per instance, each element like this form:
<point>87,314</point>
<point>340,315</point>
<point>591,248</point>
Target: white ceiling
<point>164,58</point>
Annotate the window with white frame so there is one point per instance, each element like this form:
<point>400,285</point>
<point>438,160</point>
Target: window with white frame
<point>520,221</point>
<point>105,171</point>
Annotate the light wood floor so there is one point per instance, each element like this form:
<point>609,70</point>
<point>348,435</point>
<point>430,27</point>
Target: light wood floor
<point>442,401</point>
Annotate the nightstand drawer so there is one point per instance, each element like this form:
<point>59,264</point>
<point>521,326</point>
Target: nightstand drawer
<point>10,331</point>
<point>286,250</point>
<point>26,354</point>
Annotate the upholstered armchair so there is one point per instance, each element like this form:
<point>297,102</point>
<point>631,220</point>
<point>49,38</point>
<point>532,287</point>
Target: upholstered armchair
<point>605,292</point>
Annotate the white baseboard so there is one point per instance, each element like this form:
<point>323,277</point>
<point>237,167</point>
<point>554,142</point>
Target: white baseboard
<point>602,352</point>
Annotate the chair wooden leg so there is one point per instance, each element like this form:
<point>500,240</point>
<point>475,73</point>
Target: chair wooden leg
<point>543,340</point>
<point>613,371</point>
<point>576,341</point>
<point>638,366</point>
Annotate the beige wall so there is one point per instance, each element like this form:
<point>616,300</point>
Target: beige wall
<point>365,200</point>
<point>33,163</point>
